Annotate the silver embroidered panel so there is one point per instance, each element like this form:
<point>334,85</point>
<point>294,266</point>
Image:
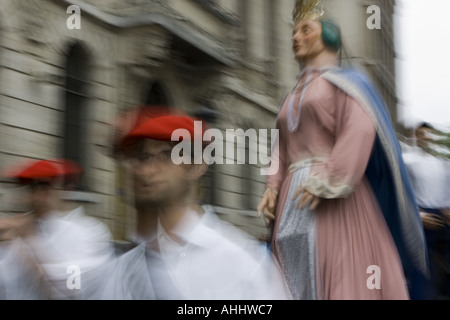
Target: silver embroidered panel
<point>295,243</point>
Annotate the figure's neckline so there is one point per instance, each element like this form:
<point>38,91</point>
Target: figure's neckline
<point>314,68</point>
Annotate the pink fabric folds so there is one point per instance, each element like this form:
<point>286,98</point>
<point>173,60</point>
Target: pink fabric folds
<point>354,244</point>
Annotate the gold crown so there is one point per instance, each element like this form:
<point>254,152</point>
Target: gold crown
<point>308,9</point>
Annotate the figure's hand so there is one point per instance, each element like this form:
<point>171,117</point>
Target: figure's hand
<point>431,221</point>
<point>306,199</point>
<point>267,206</point>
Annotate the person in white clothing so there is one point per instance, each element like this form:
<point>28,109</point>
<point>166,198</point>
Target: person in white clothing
<point>430,176</point>
<point>185,251</point>
<point>61,252</point>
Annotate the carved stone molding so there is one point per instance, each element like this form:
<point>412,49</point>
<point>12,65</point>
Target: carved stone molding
<point>30,14</point>
<point>153,46</point>
<point>129,7</point>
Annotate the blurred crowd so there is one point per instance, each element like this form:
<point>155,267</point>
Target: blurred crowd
<point>345,200</point>
<point>182,250</point>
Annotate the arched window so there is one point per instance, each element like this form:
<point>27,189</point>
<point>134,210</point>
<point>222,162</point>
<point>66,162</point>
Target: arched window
<point>75,146</point>
<point>156,95</point>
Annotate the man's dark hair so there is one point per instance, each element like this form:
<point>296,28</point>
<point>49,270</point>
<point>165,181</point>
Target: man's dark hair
<point>424,125</point>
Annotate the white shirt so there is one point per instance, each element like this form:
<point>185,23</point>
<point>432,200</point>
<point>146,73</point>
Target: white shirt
<point>216,262</point>
<point>71,248</point>
<point>211,266</point>
<point>18,281</point>
<point>430,177</point>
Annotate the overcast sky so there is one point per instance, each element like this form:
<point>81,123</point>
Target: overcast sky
<point>423,65</point>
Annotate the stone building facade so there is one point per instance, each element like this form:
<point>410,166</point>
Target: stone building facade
<point>373,49</point>
<point>229,61</point>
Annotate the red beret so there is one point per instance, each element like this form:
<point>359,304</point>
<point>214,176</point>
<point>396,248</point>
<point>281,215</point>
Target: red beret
<point>162,128</point>
<point>132,118</point>
<point>45,170</point>
<point>37,170</point>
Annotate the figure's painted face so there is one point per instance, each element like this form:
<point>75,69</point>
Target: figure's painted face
<point>307,40</point>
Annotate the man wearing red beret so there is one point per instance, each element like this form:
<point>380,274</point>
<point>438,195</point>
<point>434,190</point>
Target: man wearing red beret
<point>64,250</point>
<point>184,251</point>
<point>41,179</point>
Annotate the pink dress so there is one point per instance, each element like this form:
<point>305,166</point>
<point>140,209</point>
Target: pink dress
<point>334,139</point>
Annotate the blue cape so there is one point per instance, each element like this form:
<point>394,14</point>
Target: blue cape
<point>387,173</point>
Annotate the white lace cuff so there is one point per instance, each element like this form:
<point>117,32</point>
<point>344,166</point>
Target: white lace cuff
<point>323,189</point>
